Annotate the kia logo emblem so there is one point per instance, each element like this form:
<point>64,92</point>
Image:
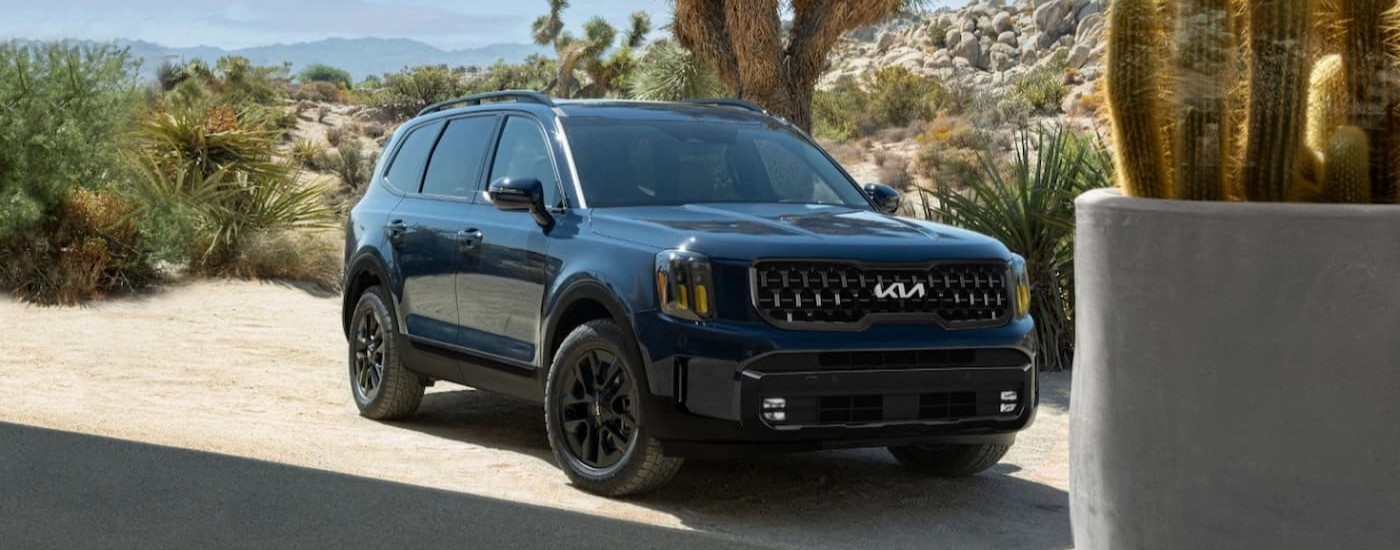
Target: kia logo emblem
<point>899,290</point>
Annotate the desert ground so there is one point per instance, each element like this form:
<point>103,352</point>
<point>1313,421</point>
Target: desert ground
<point>256,370</point>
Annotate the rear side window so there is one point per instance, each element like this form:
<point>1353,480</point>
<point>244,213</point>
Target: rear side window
<point>406,172</point>
<point>455,166</point>
<point>523,152</point>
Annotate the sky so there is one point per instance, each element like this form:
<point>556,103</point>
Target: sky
<point>230,24</point>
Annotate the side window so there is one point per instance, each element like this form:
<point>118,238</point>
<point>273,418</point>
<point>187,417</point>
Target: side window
<point>457,159</point>
<point>523,152</point>
<point>406,172</point>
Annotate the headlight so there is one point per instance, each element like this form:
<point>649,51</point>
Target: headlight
<point>685,285</point>
<point>1021,287</point>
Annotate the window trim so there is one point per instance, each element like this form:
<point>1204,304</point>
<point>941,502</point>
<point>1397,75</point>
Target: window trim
<point>471,196</point>
<point>485,182</point>
<point>383,177</point>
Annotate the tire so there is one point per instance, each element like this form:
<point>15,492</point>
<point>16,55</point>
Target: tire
<point>950,460</point>
<point>382,388</point>
<point>593,398</point>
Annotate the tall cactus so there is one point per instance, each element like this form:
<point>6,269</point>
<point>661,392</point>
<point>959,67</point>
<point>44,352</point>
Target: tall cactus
<point>1327,101</point>
<point>1278,37</point>
<point>1369,86</point>
<point>1203,65</point>
<point>1348,177</point>
<point>1134,71</point>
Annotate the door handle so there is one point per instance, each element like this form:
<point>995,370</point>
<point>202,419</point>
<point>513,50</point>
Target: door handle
<point>395,231</point>
<point>469,238</point>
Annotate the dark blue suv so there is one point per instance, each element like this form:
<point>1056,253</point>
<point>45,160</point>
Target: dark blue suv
<point>671,280</point>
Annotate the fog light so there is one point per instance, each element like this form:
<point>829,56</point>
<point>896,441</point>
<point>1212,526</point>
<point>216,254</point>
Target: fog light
<point>1008,407</point>
<point>773,409</point>
<point>1009,396</point>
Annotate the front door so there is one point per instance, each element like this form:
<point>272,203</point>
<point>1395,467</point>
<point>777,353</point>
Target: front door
<point>501,287</point>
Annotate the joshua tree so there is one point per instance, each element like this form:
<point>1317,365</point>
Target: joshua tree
<point>745,43</point>
<point>586,53</point>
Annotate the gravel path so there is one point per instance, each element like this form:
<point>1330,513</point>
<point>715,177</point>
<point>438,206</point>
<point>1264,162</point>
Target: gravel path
<point>256,370</point>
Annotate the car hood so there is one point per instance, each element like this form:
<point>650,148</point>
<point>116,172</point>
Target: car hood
<point>744,231</point>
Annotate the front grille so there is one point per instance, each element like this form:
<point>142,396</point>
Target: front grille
<point>947,405</point>
<point>851,296</point>
<point>897,408</point>
<point>842,409</point>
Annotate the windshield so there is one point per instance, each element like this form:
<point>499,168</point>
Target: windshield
<point>650,162</point>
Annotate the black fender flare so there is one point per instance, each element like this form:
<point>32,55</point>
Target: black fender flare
<point>364,262</point>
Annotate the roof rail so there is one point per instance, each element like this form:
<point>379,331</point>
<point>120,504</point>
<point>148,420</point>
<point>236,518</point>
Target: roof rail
<point>727,102</point>
<point>476,99</point>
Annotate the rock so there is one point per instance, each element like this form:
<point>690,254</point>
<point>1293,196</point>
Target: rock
<point>941,60</point>
<point>952,38</point>
<point>886,40</point>
<point>961,63</point>
<point>1001,22</point>
<point>1090,29</point>
<point>1001,61</point>
<point>1079,55</point>
<point>1091,8</point>
<point>969,25</point>
<point>1054,18</point>
<point>1008,38</point>
<point>968,47</point>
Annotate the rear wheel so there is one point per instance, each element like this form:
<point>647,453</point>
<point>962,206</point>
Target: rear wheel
<point>383,389</point>
<point>594,415</point>
<point>950,460</point>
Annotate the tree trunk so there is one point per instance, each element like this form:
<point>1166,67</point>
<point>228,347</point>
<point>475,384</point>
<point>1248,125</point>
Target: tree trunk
<point>797,109</point>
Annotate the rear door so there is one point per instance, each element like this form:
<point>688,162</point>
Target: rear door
<point>430,249</point>
<point>501,288</point>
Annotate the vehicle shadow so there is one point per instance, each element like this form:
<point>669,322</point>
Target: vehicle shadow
<point>859,498</point>
<point>68,490</point>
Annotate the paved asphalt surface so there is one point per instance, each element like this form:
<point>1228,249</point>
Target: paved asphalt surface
<point>72,491</point>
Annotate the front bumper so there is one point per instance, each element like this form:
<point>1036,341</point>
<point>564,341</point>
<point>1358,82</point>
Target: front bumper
<point>888,385</point>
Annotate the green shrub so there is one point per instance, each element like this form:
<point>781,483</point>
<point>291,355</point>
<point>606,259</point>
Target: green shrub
<point>223,179</point>
<point>1028,204</point>
<point>65,112</point>
<point>1043,87</point>
<point>306,152</point>
<point>405,93</point>
<point>837,111</point>
<point>92,247</point>
<point>351,164</point>
<point>320,72</point>
<point>898,96</point>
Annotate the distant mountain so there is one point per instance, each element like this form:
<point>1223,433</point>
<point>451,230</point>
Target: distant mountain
<point>360,56</point>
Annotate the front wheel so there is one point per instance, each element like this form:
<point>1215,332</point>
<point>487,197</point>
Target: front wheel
<point>594,415</point>
<point>950,460</point>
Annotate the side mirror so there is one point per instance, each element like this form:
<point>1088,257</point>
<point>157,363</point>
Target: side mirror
<point>884,196</point>
<point>517,194</point>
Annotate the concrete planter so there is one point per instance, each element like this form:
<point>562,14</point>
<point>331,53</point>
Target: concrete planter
<point>1237,376</point>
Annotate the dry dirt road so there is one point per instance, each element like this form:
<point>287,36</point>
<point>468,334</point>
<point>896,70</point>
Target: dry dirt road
<point>257,370</point>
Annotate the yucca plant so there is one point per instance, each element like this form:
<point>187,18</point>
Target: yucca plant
<point>1028,204</point>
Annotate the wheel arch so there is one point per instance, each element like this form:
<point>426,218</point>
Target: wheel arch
<point>582,301</point>
<point>365,271</point>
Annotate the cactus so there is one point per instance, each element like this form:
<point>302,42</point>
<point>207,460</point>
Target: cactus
<point>1134,71</point>
<point>1278,36</point>
<point>1368,82</point>
<point>1348,172</point>
<point>1327,101</point>
<point>1203,137</point>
